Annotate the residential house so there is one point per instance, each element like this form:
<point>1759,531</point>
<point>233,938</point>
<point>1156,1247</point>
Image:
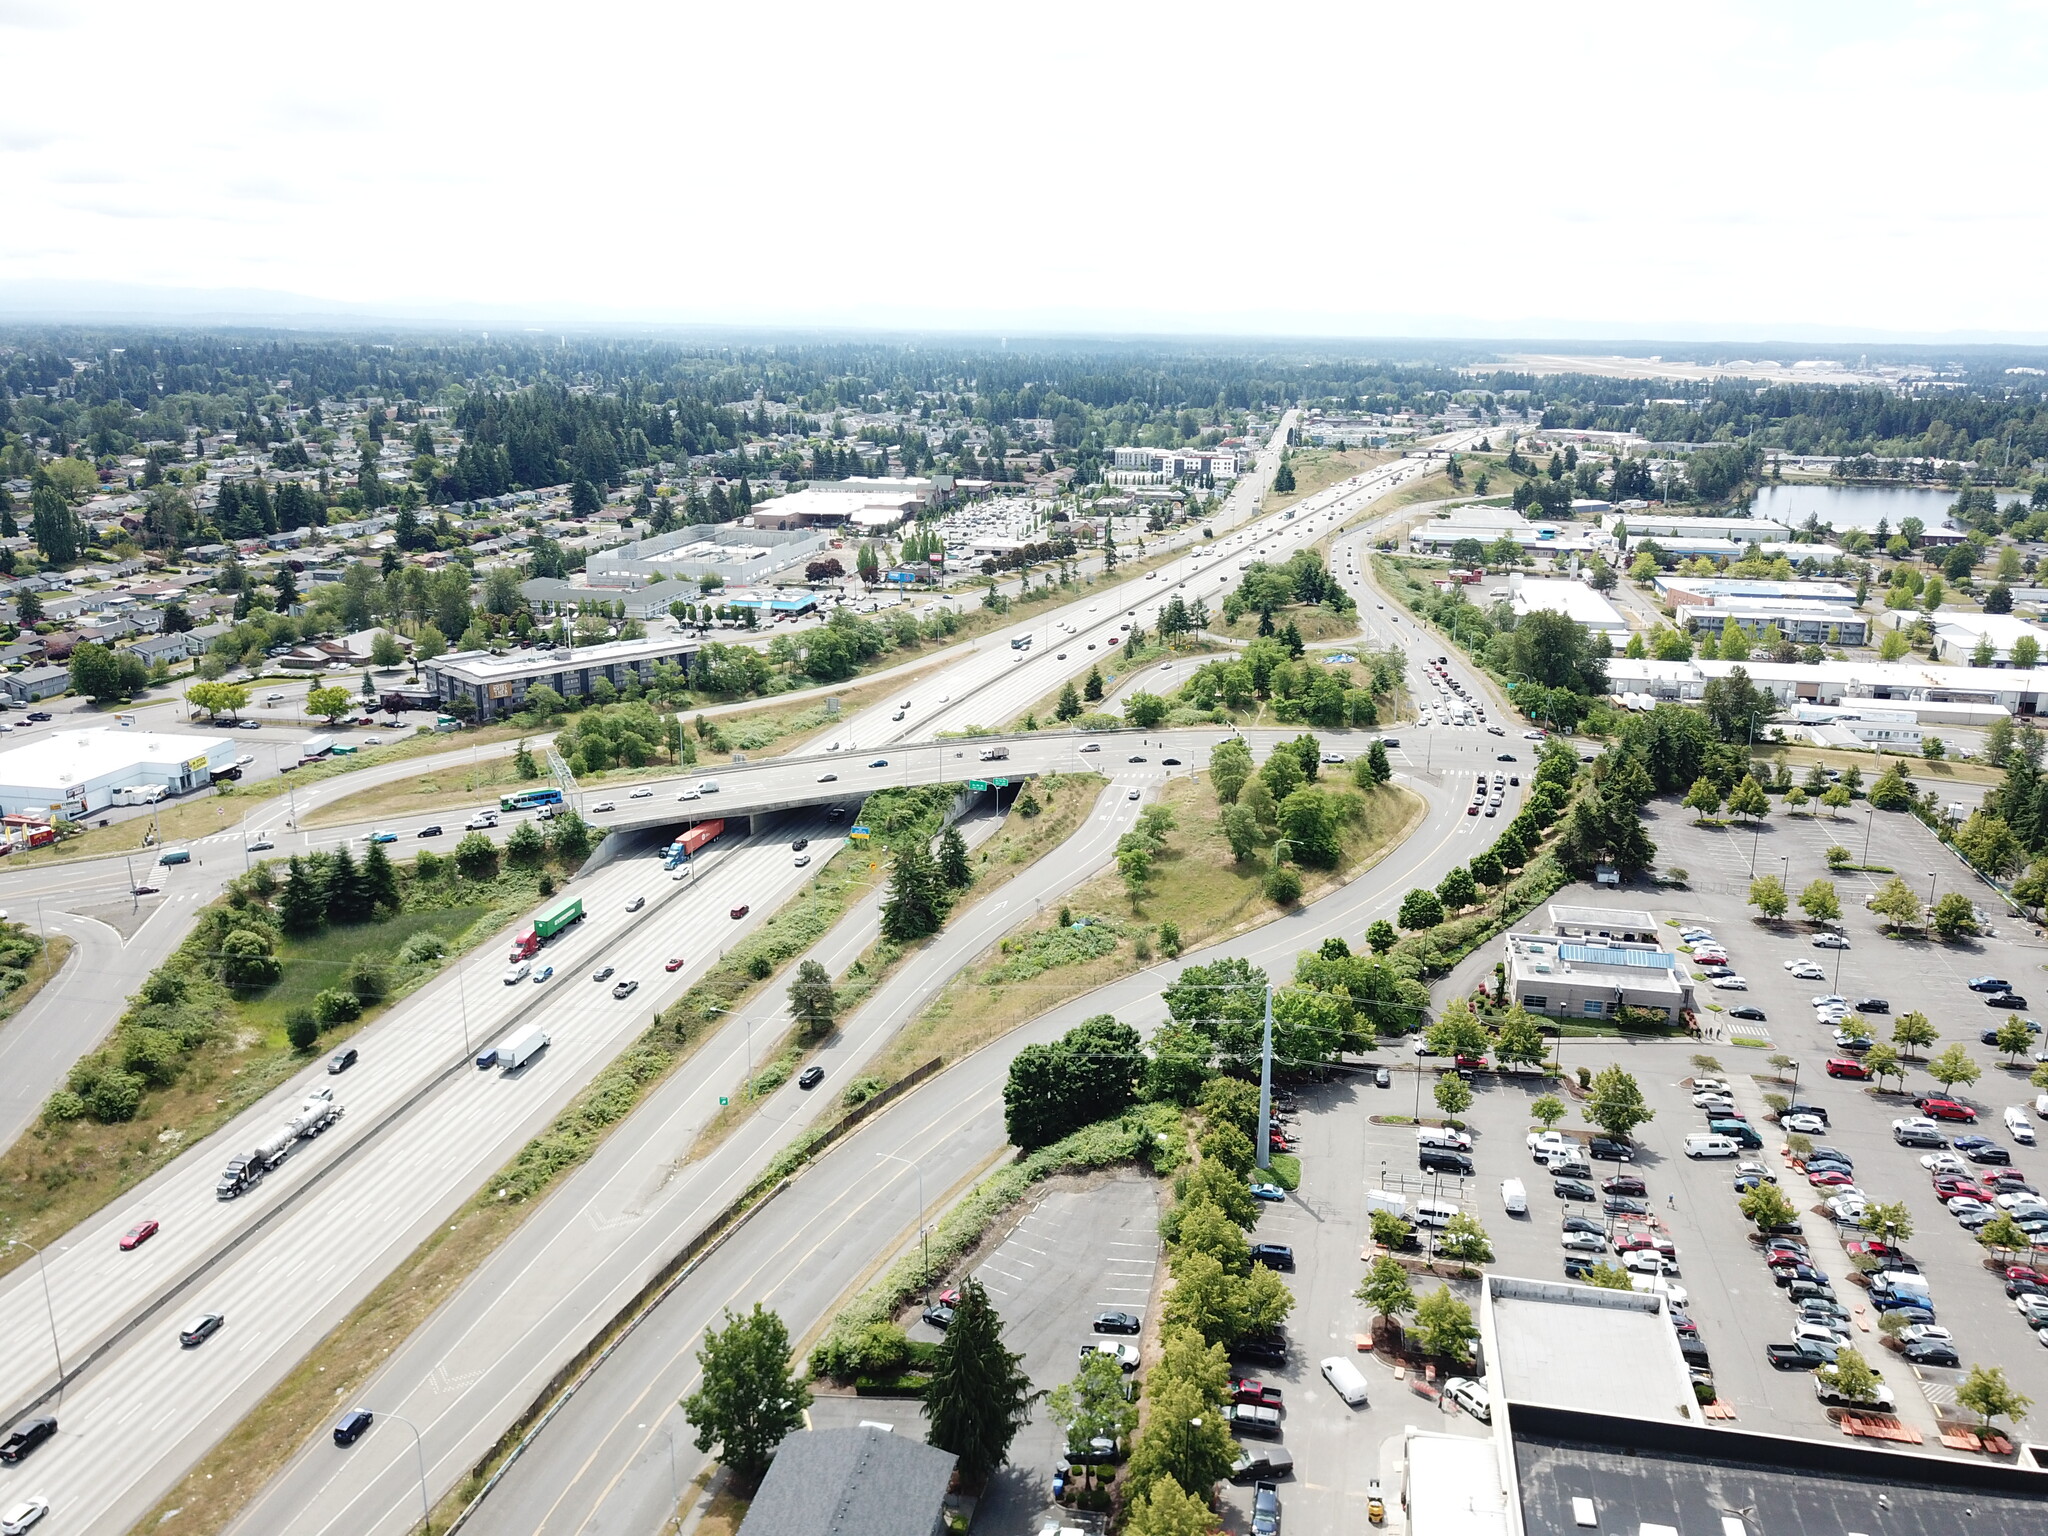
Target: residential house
<point>866,1481</point>
<point>35,683</point>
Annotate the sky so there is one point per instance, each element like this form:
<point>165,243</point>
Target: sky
<point>1806,169</point>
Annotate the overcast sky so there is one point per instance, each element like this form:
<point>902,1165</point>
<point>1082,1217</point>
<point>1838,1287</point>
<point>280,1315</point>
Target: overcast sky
<point>1790,167</point>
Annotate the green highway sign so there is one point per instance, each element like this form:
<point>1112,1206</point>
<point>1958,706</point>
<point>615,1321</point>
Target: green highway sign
<point>977,784</point>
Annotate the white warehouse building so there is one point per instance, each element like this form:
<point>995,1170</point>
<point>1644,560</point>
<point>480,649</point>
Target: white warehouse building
<point>75,773</point>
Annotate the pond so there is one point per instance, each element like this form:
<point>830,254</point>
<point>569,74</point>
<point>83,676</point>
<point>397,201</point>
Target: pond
<point>1856,506</point>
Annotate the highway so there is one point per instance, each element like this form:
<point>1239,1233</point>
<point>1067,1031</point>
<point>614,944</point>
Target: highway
<point>461,1136</point>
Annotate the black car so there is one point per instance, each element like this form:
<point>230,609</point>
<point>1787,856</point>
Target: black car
<point>1169,762</point>
<point>2005,1000</point>
<point>810,1077</point>
<point>342,1059</point>
<point>1623,1184</point>
<point>1625,1205</point>
<point>1873,1005</point>
<point>1261,1349</point>
<point>40,714</point>
<point>940,1317</point>
<point>1117,1322</point>
<point>1746,1012</point>
<point>1505,757</point>
<point>1135,757</point>
<point>1584,1224</point>
<point>1573,1189</point>
<point>353,1425</point>
<point>1807,1109</point>
<point>1273,1255</point>
<point>1977,983</point>
<point>1989,1153</point>
<point>432,831</point>
<point>1611,1150</point>
<point>26,1436</point>
<point>1932,1352</point>
<point>1578,1267</point>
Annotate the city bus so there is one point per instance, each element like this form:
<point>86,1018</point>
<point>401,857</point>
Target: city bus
<point>528,799</point>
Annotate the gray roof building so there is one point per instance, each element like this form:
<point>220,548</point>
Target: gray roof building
<point>34,683</point>
<point>852,1482</point>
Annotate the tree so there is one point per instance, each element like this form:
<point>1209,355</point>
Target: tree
<point>96,673</point>
<point>1835,797</point>
<point>246,960</point>
<point>1520,1042</point>
<point>747,1399</point>
<point>1420,908</point>
<point>1820,903</point>
<point>1616,1105</point>
<point>1766,1205</point>
<point>1548,1110</point>
<point>1704,797</point>
<point>1381,936</point>
<point>380,882</point>
<point>526,848</point>
<point>1954,916</point>
<point>1852,1376</point>
<point>1092,1405</point>
<point>1610,1277</point>
<point>1896,903</point>
<point>917,901</point>
<point>302,904</point>
<point>1458,889</point>
<point>1378,769</point>
<point>1069,705</point>
<point>217,699</point>
<point>953,866</point>
<point>1749,800</point>
<point>1892,791</point>
<point>1891,1219</point>
<point>980,1395</point>
<point>812,998</point>
<point>1453,1094</point>
<point>1464,1241</point>
<point>476,857</point>
<point>1954,1066</point>
<point>1144,710</point>
<point>1767,895</point>
<point>1386,1288</point>
<point>1990,1396</point>
<point>1913,1031</point>
<point>1883,1062</point>
<point>329,703</point>
<point>302,1029</point>
<point>2004,1234</point>
<point>1444,1326</point>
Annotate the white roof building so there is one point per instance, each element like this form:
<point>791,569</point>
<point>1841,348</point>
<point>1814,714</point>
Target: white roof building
<point>1957,636</point>
<point>74,773</point>
<point>1574,599</point>
<point>1943,695</point>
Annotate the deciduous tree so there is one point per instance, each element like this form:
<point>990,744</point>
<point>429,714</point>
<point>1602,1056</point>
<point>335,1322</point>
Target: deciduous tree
<point>748,1399</point>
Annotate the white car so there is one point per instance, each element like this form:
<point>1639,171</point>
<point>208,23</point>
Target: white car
<point>1804,1125</point>
<point>1711,1098</point>
<point>20,1517</point>
<point>1940,1162</point>
<point>1820,1333</point>
<point>1916,1331</point>
<point>1730,983</point>
<point>1805,970</point>
<point>1709,1085</point>
<point>1648,1261</point>
<point>1125,1355</point>
<point>1831,1000</point>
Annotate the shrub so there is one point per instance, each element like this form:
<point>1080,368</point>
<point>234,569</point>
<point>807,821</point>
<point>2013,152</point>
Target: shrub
<point>859,1091</point>
<point>334,1008</point>
<point>302,1029</point>
<point>368,979</point>
<point>760,967</point>
<point>1283,886</point>
<point>63,1106</point>
<point>421,948</point>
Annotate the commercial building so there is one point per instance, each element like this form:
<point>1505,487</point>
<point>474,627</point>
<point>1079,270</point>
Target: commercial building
<point>1595,1427</point>
<point>1797,620</point>
<point>496,683</point>
<point>1574,599</point>
<point>72,773</point>
<point>1181,463</point>
<point>1935,695</point>
<point>866,1481</point>
<point>1668,530</point>
<point>1681,591</point>
<point>1488,525</point>
<point>549,595</point>
<point>726,550</point>
<point>834,508</point>
<point>1958,636</point>
<point>1587,970</point>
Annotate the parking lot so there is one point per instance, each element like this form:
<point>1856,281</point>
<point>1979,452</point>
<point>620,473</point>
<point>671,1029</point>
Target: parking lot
<point>1730,1292</point>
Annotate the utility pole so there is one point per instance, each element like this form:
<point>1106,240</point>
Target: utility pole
<point>1266,1087</point>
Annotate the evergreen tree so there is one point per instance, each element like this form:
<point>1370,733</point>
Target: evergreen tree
<point>917,904</point>
<point>302,905</point>
<point>1091,686</point>
<point>347,901</point>
<point>1069,706</point>
<point>953,866</point>
<point>1377,766</point>
<point>380,881</point>
<point>980,1395</point>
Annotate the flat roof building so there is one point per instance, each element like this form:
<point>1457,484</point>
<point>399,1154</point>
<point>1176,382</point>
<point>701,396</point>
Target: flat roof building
<point>1567,976</point>
<point>1574,599</point>
<point>1946,695</point>
<point>1957,637</point>
<point>1642,523</point>
<point>1681,590</point>
<point>496,683</point>
<point>725,550</point>
<point>1797,620</point>
<point>72,773</point>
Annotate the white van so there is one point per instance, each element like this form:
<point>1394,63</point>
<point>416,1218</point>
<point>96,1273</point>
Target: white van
<point>1705,1144</point>
<point>1345,1380</point>
<point>1433,1213</point>
<point>2019,1126</point>
<point>1514,1197</point>
<point>708,787</point>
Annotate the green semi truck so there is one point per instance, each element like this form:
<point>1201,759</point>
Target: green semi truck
<point>546,924</point>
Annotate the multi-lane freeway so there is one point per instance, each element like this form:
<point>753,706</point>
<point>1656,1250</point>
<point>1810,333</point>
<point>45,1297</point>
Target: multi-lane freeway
<point>286,1261</point>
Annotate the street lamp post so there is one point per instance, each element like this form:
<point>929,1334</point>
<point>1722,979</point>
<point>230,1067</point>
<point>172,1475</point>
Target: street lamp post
<point>420,1456</point>
<point>923,1243</point>
<point>49,1308</point>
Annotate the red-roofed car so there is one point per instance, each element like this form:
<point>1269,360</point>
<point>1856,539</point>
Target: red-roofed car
<point>1945,1109</point>
<point>138,1234</point>
<point>1847,1066</point>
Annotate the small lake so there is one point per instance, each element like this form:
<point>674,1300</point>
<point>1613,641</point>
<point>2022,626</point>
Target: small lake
<point>1857,506</point>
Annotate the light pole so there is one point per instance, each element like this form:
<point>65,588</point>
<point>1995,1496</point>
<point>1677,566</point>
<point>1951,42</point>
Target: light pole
<point>420,1456</point>
<point>48,1307</point>
<point>1869,821</point>
<point>923,1243</point>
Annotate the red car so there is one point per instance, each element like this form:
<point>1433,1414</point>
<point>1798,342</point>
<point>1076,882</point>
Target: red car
<point>1474,1063</point>
<point>1257,1393</point>
<point>1472,810</point>
<point>2021,1272</point>
<point>740,911</point>
<point>138,1234</point>
<point>1632,1242</point>
<point>675,964</point>
<point>1873,1250</point>
<point>1945,1109</point>
<point>1779,1257</point>
<point>1829,1178</point>
<point>1847,1066</point>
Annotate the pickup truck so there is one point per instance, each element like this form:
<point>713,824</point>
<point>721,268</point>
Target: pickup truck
<point>1800,1355</point>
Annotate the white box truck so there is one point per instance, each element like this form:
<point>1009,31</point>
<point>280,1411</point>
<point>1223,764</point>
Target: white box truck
<point>516,1050</point>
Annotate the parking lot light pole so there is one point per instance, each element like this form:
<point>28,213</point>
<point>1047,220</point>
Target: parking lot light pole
<point>1266,1087</point>
<point>1869,821</point>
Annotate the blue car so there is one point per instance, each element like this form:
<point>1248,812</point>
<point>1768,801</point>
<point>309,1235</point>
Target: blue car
<point>383,837</point>
<point>545,973</point>
<point>1268,1192</point>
